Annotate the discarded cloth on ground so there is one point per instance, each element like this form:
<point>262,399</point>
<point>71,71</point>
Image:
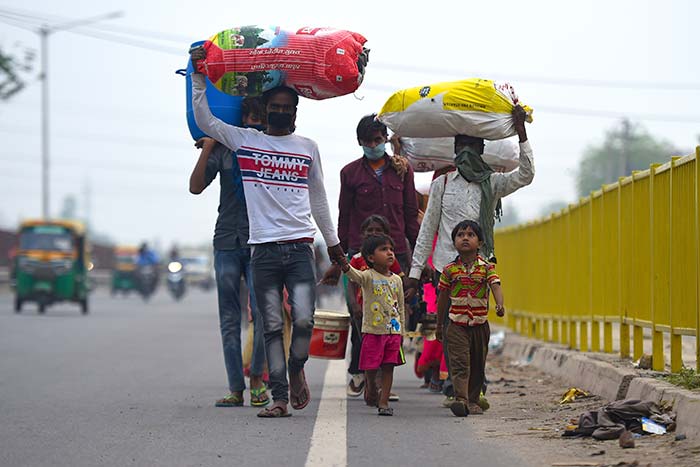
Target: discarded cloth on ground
<point>611,420</point>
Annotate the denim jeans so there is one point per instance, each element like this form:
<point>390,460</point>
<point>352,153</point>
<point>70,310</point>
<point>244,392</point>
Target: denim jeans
<point>230,265</point>
<point>276,266</point>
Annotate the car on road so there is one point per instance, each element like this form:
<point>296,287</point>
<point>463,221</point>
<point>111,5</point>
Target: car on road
<point>198,268</point>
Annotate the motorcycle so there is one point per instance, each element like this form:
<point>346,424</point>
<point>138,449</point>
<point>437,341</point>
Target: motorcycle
<point>147,280</point>
<point>176,280</point>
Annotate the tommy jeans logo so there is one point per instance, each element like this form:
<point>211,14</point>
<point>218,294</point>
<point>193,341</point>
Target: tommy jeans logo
<point>274,169</point>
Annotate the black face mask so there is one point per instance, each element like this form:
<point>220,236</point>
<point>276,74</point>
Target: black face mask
<point>257,127</point>
<point>279,120</point>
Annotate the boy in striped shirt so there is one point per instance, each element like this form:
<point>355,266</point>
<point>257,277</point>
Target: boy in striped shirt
<point>464,286</point>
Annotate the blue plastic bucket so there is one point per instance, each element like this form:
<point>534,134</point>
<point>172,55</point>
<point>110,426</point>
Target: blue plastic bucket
<point>222,105</point>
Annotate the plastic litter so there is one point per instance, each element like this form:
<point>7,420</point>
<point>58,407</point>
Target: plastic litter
<point>572,394</point>
<point>652,427</point>
<point>497,342</point>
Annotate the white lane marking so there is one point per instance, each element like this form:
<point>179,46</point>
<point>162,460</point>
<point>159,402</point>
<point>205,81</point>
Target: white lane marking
<point>329,440</point>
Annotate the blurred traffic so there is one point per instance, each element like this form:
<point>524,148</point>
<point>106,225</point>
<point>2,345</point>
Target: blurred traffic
<point>51,262</point>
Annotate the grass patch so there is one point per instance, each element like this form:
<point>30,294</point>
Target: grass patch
<point>686,378</point>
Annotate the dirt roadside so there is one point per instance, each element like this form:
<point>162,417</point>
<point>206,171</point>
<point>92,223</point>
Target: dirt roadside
<point>525,402</point>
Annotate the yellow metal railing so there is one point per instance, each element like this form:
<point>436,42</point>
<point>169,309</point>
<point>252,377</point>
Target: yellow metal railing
<point>627,256</point>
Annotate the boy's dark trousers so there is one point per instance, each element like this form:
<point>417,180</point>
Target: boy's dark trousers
<point>467,348</point>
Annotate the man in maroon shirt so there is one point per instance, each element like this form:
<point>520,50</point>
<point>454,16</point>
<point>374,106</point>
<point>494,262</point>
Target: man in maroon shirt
<point>377,184</point>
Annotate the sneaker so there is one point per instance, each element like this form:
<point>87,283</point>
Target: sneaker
<point>448,402</point>
<point>474,409</point>
<point>393,397</point>
<point>356,386</point>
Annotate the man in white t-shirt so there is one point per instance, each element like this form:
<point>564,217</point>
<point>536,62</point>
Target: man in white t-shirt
<point>283,186</point>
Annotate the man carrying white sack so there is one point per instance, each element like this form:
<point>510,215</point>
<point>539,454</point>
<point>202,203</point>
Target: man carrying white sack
<point>472,192</point>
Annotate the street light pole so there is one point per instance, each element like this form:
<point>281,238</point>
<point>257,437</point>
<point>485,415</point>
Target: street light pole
<point>45,207</point>
<point>44,32</point>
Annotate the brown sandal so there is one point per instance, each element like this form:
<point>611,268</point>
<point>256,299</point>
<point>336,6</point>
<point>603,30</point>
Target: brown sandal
<point>301,398</point>
<point>276,410</point>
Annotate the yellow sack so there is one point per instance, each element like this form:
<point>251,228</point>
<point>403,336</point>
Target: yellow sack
<point>475,107</point>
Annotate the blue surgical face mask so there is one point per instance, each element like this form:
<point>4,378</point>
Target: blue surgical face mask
<point>374,153</point>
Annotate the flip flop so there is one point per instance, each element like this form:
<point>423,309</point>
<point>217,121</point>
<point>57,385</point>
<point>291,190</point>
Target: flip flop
<point>258,397</point>
<point>295,397</point>
<point>276,411</point>
<point>232,400</point>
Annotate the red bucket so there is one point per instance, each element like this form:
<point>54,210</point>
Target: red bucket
<point>330,335</point>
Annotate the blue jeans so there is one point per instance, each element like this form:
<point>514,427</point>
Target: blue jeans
<point>276,266</point>
<point>230,265</point>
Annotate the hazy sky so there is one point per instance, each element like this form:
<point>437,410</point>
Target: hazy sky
<point>118,127</point>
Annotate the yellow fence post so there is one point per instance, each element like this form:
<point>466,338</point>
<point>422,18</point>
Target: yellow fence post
<point>565,310</point>
<point>676,339</point>
<point>569,267</point>
<point>638,330</point>
<point>607,253</point>
<point>595,324</point>
<point>583,318</point>
<point>657,337</point>
<point>624,326</point>
<point>697,258</point>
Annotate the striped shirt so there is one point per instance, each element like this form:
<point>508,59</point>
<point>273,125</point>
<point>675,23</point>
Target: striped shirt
<point>282,177</point>
<point>469,289</point>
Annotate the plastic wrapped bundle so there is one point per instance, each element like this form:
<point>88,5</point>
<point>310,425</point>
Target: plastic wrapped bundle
<point>224,106</point>
<point>318,63</point>
<point>475,107</point>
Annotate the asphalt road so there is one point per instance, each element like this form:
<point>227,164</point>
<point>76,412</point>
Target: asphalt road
<point>134,383</point>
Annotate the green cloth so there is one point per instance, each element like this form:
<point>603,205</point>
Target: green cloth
<point>471,167</point>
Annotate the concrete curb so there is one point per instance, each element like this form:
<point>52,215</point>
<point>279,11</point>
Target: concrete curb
<point>604,379</point>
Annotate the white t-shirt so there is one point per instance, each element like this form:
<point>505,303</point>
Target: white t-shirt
<point>282,177</point>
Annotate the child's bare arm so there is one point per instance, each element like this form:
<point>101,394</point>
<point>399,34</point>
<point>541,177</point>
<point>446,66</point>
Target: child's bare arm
<point>442,306</point>
<point>353,274</point>
<point>351,297</point>
<point>498,295</point>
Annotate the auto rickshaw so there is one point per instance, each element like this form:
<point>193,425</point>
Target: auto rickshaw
<point>124,275</point>
<point>52,264</point>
